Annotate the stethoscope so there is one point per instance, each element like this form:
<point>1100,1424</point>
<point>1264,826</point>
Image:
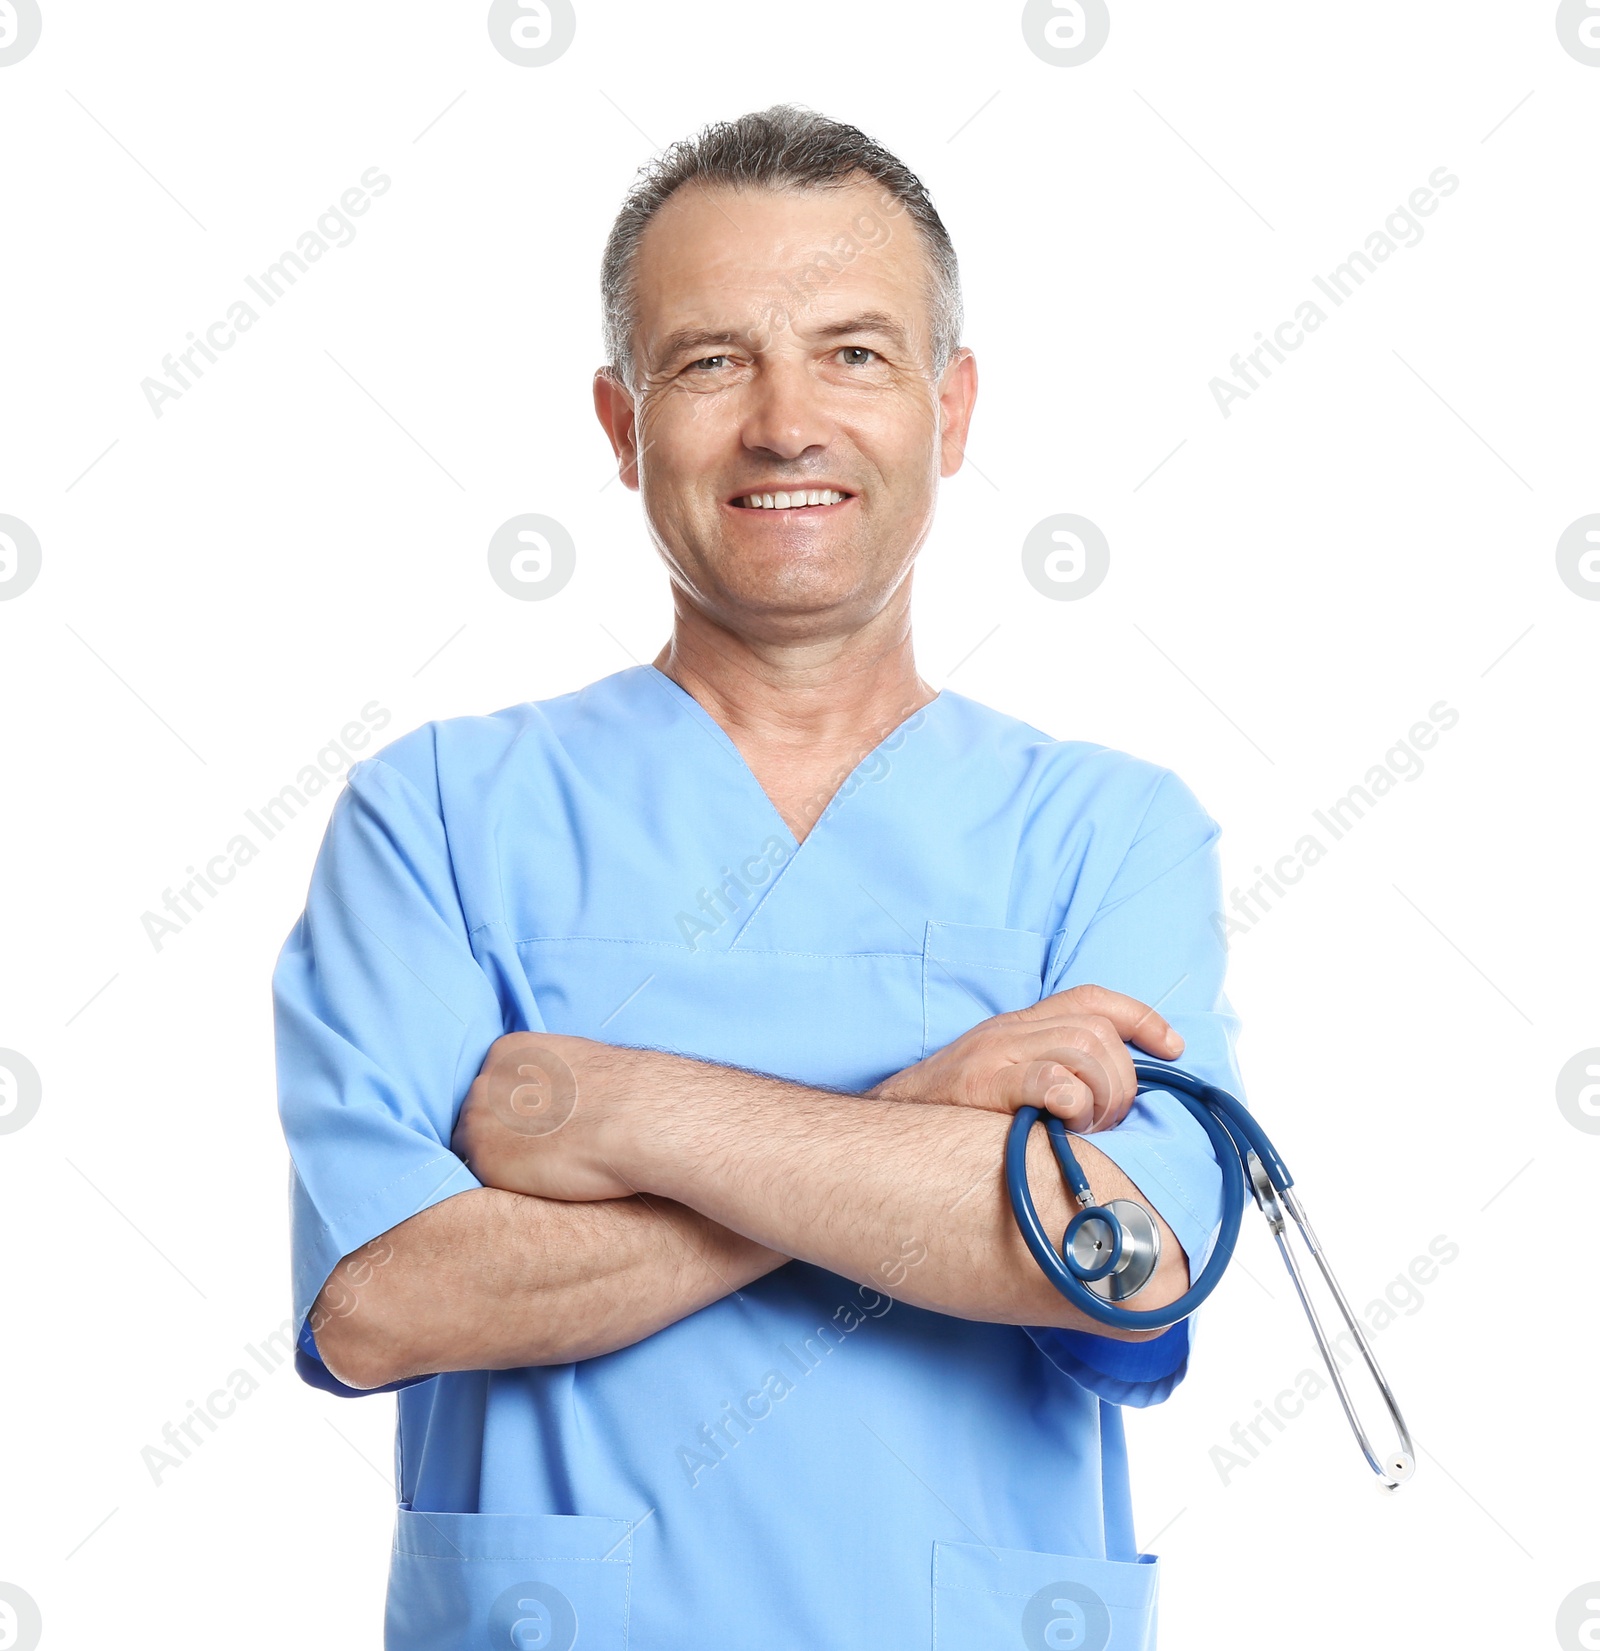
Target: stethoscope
<point>1110,1250</point>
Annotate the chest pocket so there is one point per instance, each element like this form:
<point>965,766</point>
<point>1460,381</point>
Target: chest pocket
<point>970,973</point>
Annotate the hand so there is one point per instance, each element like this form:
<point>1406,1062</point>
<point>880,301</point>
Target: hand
<point>535,1117</point>
<point>1064,1054</point>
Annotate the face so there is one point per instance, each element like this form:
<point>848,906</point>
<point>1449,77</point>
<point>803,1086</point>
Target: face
<point>782,347</point>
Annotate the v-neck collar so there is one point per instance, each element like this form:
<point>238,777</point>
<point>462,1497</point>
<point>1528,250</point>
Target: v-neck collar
<point>699,714</point>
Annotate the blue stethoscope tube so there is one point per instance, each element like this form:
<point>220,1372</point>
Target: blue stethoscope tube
<point>1249,1162</point>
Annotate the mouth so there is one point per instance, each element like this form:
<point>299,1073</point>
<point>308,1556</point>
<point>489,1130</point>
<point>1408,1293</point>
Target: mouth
<point>792,502</point>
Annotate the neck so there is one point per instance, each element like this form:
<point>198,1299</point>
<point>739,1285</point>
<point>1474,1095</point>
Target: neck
<point>802,713</point>
<point>815,691</point>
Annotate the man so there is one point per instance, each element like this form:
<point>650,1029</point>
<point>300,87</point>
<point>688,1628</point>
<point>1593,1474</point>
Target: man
<point>647,1054</point>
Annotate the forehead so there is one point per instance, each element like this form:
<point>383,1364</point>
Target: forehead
<point>715,256</point>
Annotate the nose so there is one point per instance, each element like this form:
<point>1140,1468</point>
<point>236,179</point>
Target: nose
<point>784,413</point>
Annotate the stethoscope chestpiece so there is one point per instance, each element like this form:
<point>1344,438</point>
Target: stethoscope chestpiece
<point>1110,1250</point>
<point>1127,1263</point>
<point>1093,1244</point>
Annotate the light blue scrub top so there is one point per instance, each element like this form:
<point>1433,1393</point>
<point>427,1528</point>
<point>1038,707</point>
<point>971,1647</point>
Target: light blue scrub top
<point>806,1464</point>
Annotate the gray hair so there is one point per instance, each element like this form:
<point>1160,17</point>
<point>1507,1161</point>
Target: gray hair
<point>784,147</point>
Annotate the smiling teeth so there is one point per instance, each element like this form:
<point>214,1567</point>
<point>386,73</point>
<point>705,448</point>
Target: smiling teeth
<point>787,501</point>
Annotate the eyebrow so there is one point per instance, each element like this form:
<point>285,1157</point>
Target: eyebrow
<point>869,321</point>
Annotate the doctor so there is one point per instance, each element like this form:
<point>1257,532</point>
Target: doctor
<point>646,1054</point>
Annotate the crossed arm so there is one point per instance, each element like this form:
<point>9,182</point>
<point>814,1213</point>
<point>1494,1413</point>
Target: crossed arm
<point>626,1188</point>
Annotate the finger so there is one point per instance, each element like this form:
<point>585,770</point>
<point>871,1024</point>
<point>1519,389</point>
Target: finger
<point>1088,1068</point>
<point>1048,1085</point>
<point>1135,1021</point>
<point>1095,1056</point>
<point>1119,1064</point>
<point>506,1051</point>
<point>540,1096</point>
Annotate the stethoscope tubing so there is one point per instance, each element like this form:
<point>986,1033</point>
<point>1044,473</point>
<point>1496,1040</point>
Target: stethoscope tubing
<point>1241,1146</point>
<point>1233,1134</point>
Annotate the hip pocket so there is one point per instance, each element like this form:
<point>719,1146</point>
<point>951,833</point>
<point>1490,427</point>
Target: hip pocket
<point>508,1582</point>
<point>970,973</point>
<point>1006,1599</point>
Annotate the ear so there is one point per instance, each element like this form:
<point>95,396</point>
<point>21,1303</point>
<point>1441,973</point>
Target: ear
<point>958,392</point>
<point>613,406</point>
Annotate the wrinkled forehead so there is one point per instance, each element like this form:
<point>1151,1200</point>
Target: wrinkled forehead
<point>754,264</point>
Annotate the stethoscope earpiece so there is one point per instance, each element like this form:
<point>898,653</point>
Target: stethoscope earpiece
<point>1110,1251</point>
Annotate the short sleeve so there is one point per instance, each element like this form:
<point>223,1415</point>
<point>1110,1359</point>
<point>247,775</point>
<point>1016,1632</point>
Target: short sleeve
<point>1156,936</point>
<point>382,1019</point>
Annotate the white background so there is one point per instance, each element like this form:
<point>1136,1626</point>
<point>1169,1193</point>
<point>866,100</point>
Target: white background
<point>224,587</point>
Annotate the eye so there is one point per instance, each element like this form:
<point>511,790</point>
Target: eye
<point>704,360</point>
<point>855,350</point>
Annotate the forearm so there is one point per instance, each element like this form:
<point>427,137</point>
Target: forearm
<point>492,1280</point>
<point>844,1182</point>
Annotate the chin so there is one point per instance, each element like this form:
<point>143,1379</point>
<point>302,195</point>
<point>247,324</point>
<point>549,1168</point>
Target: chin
<point>784,610</point>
